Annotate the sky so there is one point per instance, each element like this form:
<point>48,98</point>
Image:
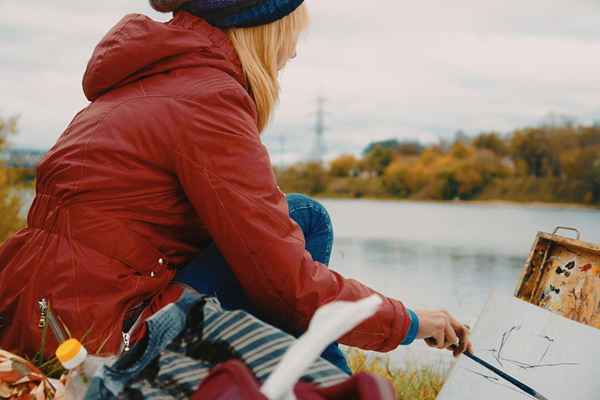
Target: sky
<point>387,68</point>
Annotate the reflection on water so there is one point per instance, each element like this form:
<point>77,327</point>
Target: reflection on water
<point>442,255</point>
<point>425,276</point>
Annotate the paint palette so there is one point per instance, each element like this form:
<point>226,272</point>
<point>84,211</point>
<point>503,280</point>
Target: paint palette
<point>562,275</point>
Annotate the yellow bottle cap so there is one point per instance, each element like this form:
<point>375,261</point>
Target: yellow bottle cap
<point>71,353</point>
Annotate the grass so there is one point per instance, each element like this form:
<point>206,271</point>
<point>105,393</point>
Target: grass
<point>410,383</point>
<point>52,368</point>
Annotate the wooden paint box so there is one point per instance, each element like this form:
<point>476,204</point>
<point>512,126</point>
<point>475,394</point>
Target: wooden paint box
<point>563,275</point>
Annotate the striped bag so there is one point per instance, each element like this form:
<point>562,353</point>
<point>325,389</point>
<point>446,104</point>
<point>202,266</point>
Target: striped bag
<point>186,340</point>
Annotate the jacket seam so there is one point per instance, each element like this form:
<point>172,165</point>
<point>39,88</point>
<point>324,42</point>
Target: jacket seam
<point>243,240</point>
<point>236,90</point>
<point>215,175</point>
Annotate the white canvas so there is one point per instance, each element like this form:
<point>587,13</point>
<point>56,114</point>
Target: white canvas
<point>555,356</point>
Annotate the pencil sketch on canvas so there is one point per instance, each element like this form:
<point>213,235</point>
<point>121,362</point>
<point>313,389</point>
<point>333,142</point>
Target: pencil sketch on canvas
<point>557,357</point>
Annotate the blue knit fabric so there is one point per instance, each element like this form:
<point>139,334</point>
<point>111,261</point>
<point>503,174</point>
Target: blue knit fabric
<point>241,13</point>
<point>213,5</point>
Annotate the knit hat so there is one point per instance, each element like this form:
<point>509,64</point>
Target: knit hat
<point>232,13</point>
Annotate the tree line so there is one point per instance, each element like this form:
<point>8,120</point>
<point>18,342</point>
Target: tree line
<point>553,163</point>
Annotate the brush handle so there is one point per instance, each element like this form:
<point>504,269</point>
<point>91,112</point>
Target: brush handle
<point>504,375</point>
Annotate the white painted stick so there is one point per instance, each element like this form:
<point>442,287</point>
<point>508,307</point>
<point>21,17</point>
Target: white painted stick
<point>329,323</point>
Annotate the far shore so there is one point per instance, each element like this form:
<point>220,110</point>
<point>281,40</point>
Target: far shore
<point>506,203</point>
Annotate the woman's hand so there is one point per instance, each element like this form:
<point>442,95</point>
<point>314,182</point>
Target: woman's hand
<point>442,331</point>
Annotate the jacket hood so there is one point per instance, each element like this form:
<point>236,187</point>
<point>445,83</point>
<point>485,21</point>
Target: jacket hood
<point>138,47</point>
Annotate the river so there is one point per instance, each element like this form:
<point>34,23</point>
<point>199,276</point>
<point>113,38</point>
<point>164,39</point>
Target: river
<point>441,255</point>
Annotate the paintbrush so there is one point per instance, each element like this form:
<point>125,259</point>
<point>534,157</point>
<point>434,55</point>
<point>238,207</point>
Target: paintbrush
<point>505,376</point>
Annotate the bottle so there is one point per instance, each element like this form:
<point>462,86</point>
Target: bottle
<point>73,356</point>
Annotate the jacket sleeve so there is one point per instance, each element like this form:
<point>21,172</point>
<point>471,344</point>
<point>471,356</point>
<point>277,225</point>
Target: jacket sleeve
<point>227,175</point>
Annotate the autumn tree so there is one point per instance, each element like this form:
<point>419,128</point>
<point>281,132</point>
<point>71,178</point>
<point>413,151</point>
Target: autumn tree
<point>399,178</point>
<point>10,205</point>
<point>405,147</point>
<point>592,180</point>
<point>376,161</point>
<point>533,147</point>
<point>308,178</point>
<point>344,166</point>
<point>491,141</point>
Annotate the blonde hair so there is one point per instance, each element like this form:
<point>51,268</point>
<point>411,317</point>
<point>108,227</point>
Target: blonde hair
<point>259,49</point>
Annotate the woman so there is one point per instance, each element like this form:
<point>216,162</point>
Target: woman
<point>166,165</point>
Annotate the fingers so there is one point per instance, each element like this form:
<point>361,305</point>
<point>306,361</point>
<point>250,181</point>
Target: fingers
<point>443,338</point>
<point>468,346</point>
<point>463,333</point>
<point>451,337</point>
<point>440,338</point>
<point>463,337</point>
<point>442,331</point>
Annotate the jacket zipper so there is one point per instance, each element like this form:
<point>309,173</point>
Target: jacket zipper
<point>126,344</point>
<point>126,339</point>
<point>48,319</point>
<point>43,305</point>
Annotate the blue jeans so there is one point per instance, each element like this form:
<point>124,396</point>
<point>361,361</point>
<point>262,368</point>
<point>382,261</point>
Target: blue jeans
<point>218,280</point>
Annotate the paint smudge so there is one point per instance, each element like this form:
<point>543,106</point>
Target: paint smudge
<point>585,268</point>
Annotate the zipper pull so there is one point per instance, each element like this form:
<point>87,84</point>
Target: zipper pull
<point>43,305</point>
<point>126,339</point>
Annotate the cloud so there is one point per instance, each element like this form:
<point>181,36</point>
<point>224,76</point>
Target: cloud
<point>413,70</point>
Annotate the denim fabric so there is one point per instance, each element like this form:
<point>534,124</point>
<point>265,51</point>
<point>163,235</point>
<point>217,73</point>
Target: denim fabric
<point>219,280</point>
<point>162,329</point>
<point>316,226</point>
<point>185,340</point>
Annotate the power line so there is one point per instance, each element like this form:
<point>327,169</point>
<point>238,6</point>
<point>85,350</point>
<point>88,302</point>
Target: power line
<point>319,150</point>
<point>282,143</point>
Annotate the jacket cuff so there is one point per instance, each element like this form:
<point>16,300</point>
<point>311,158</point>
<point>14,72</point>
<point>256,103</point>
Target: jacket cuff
<point>398,328</point>
<point>413,328</point>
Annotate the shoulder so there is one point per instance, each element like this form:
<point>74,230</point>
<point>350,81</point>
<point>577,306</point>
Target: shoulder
<point>217,96</point>
<point>214,86</point>
<point>204,81</point>
<point>177,100</point>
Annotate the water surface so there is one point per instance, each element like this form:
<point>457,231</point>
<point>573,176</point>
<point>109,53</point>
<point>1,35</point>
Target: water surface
<point>442,255</point>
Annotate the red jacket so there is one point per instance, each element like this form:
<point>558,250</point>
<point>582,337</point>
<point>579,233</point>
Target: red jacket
<point>166,158</point>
